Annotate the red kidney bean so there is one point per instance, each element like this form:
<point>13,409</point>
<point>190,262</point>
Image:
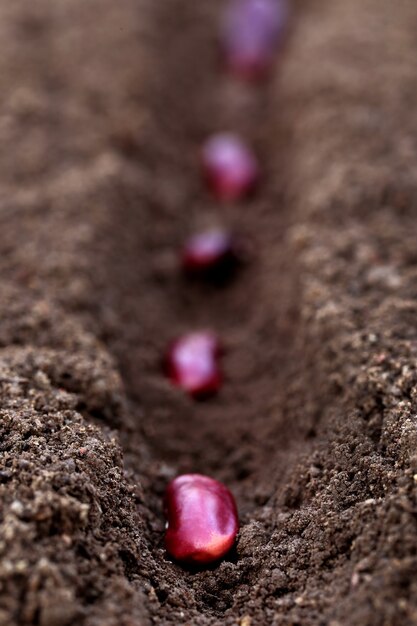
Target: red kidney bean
<point>213,254</point>
<point>192,363</point>
<point>229,167</point>
<point>251,32</point>
<point>202,519</point>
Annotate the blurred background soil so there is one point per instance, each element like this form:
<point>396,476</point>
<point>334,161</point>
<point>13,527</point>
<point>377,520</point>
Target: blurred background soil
<point>104,106</point>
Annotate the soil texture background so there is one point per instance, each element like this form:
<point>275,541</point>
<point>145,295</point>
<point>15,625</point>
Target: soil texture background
<point>104,106</point>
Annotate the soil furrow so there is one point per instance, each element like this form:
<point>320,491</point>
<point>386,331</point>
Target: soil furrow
<point>255,315</point>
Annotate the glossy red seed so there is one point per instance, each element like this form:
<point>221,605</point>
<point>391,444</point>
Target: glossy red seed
<point>192,363</point>
<point>212,253</point>
<point>251,32</point>
<point>202,519</point>
<point>229,166</point>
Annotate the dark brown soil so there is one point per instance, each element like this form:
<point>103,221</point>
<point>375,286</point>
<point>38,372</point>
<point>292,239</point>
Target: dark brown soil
<point>104,105</point>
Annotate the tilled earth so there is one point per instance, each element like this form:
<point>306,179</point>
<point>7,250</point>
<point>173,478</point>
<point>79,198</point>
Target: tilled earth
<point>104,106</point>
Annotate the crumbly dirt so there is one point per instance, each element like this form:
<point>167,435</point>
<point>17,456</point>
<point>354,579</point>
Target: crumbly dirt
<point>104,106</point>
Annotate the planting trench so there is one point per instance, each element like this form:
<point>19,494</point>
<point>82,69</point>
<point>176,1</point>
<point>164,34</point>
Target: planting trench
<point>314,430</point>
